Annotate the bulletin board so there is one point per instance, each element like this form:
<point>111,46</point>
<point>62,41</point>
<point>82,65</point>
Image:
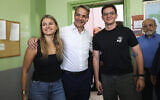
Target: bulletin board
<point>137,24</point>
<point>10,43</point>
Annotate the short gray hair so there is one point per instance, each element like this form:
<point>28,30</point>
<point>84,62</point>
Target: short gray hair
<point>84,7</point>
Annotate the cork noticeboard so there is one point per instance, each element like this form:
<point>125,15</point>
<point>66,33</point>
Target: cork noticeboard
<point>10,46</point>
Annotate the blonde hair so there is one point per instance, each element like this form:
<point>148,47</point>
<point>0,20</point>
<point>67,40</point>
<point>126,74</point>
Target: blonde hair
<point>57,41</point>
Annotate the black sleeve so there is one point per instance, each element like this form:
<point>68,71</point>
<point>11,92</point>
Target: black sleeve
<point>156,62</point>
<point>95,43</point>
<point>132,38</point>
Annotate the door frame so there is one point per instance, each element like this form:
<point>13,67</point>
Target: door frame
<point>90,3</point>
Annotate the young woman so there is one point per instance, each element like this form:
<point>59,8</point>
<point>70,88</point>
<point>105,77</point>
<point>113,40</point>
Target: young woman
<point>46,80</point>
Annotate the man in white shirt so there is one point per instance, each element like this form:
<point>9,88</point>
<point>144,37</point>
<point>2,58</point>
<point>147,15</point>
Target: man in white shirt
<point>76,47</point>
<point>77,42</point>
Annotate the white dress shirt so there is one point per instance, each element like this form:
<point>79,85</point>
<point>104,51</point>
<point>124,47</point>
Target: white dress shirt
<point>76,48</point>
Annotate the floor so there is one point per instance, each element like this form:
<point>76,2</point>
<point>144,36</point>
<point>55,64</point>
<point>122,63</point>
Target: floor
<point>94,96</point>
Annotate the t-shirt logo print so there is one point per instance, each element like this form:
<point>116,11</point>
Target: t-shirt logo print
<point>119,39</point>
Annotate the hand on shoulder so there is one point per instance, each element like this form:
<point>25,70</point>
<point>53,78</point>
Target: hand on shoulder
<point>32,43</point>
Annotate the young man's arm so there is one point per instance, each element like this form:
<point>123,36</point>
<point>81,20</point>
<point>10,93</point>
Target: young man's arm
<point>135,69</point>
<point>139,60</point>
<point>96,69</point>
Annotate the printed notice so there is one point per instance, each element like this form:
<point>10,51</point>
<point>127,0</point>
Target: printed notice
<point>2,47</point>
<point>138,24</point>
<point>2,30</point>
<point>14,34</point>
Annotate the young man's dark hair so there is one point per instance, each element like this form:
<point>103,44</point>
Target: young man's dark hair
<point>107,6</point>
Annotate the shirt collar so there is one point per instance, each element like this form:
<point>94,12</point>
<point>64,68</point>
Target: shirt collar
<point>75,28</point>
<point>151,36</point>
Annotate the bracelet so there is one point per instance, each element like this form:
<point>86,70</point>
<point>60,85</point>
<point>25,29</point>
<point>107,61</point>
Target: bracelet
<point>23,92</point>
<point>140,75</point>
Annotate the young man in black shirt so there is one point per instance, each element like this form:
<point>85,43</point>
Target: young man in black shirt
<point>117,75</point>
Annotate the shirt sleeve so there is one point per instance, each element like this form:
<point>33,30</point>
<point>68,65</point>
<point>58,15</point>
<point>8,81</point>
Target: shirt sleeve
<point>132,40</point>
<point>91,46</point>
<point>61,32</point>
<point>95,43</point>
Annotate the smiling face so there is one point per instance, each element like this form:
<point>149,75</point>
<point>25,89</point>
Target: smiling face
<point>149,27</point>
<point>80,18</point>
<point>48,26</point>
<point>109,16</point>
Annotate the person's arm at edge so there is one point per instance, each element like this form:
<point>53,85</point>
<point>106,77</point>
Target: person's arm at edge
<point>155,65</point>
<point>139,60</point>
<point>28,58</point>
<point>96,69</point>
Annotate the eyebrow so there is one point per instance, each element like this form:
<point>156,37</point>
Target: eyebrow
<point>145,25</point>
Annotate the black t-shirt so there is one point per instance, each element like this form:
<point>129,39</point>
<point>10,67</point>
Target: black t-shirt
<point>114,46</point>
<point>46,69</point>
